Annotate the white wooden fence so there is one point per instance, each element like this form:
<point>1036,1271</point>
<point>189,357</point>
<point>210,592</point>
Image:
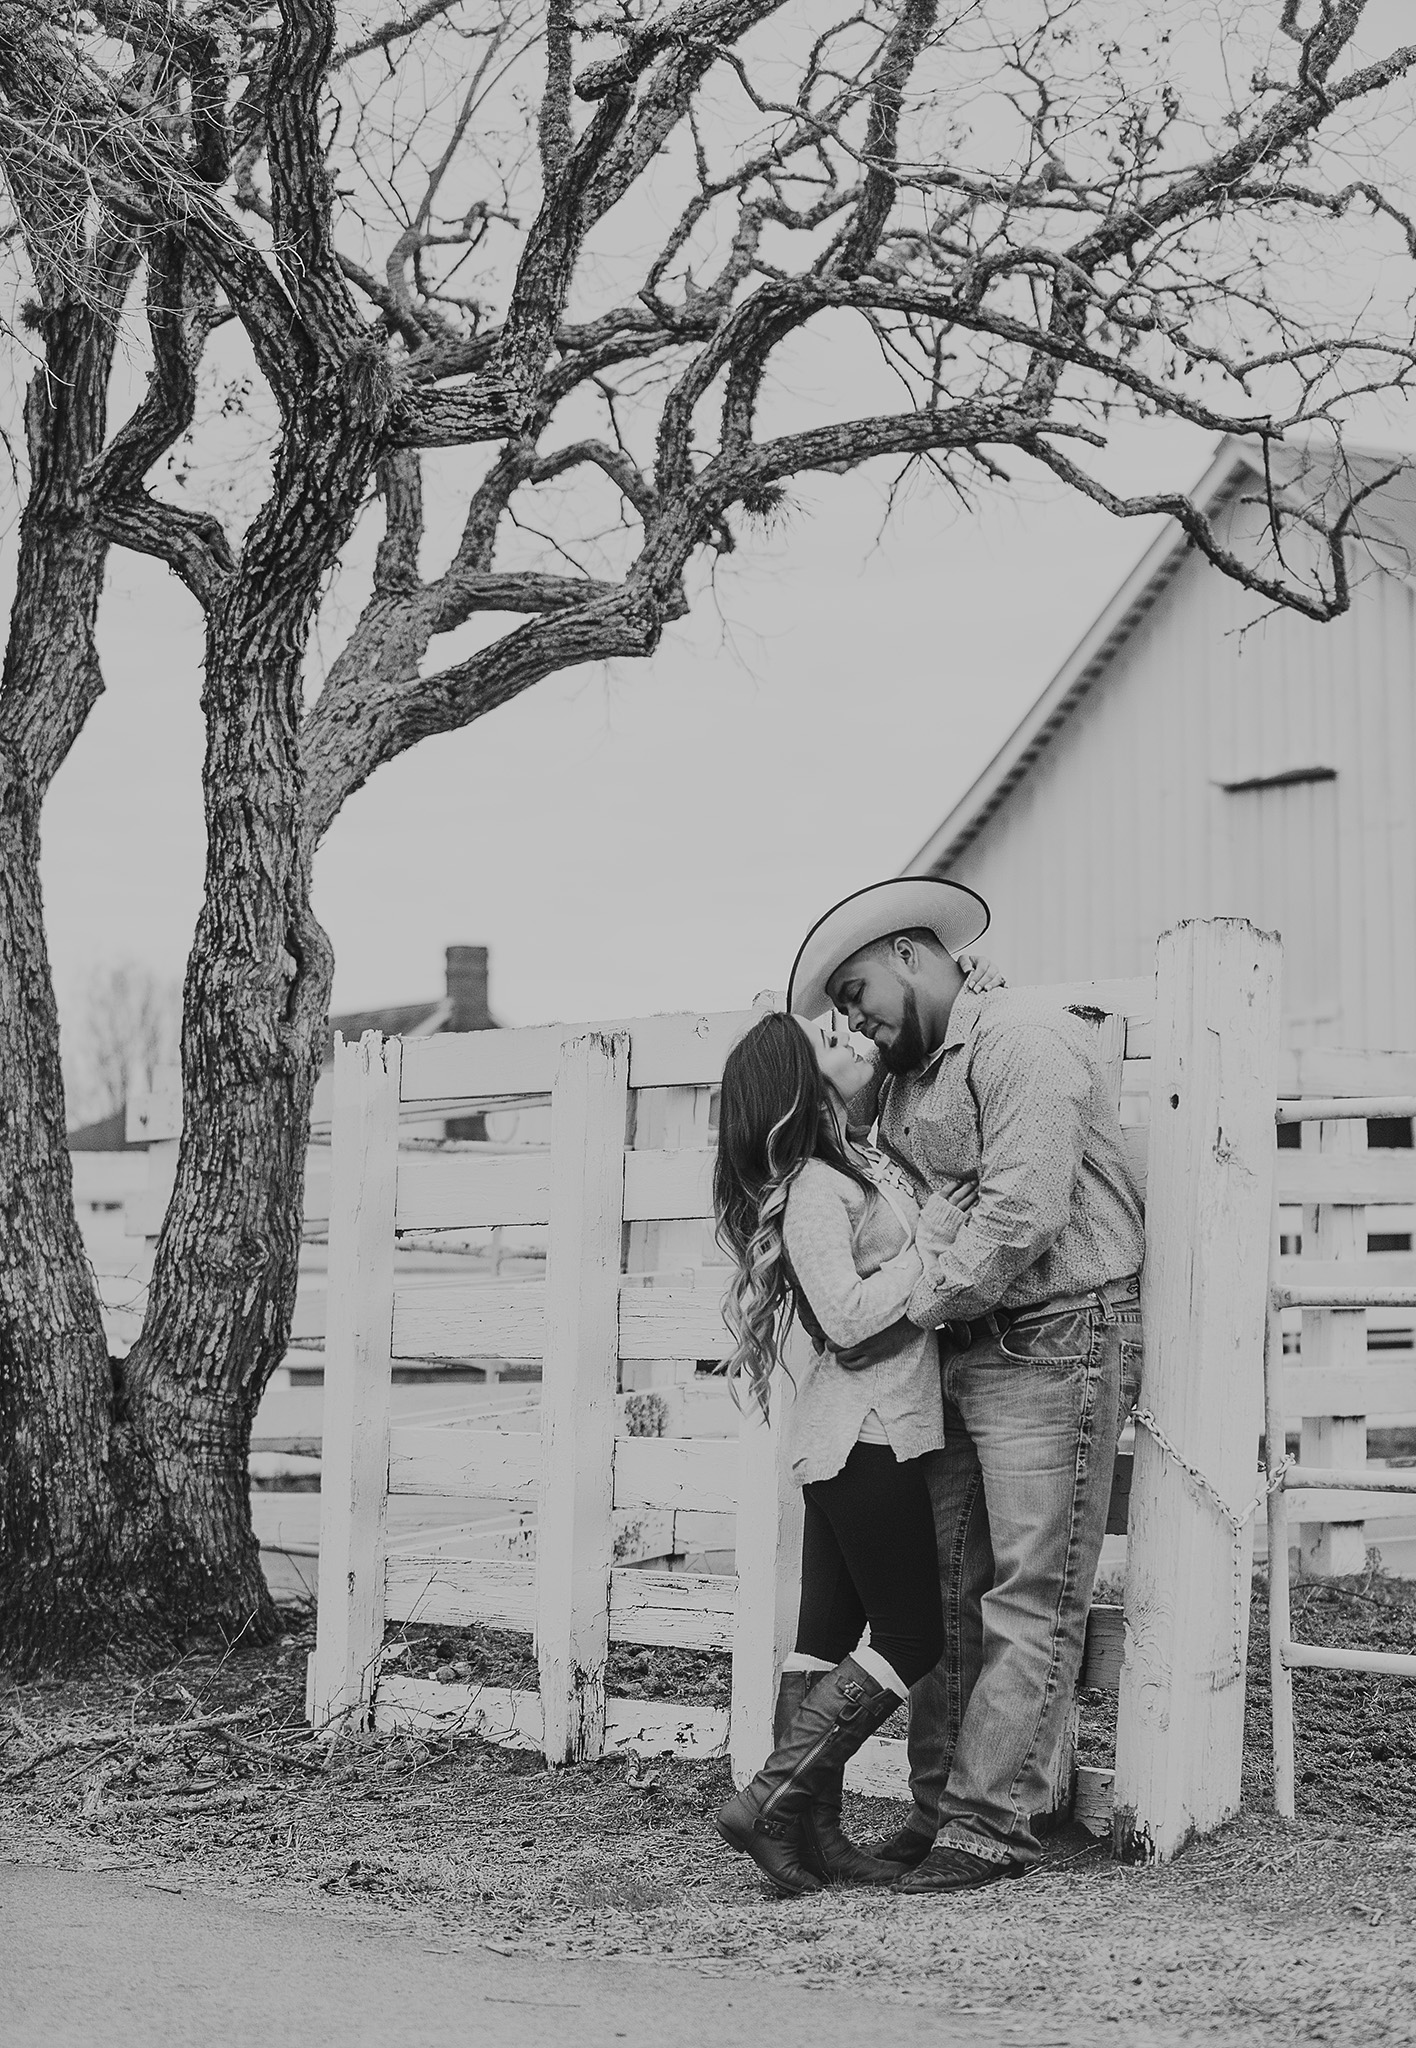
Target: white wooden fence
<point>1194,1054</point>
<point>1345,1222</point>
<point>1336,1284</point>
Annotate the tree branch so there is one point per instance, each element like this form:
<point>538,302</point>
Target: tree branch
<point>901,53</point>
<point>301,198</point>
<point>192,543</point>
<point>436,417</point>
<point>390,32</point>
<point>400,485</point>
<point>543,275</point>
<point>616,465</point>
<point>1200,531</point>
<point>556,134</point>
<point>152,190</point>
<point>342,747</point>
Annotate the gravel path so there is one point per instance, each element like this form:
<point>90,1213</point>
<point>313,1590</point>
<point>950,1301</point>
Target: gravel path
<point>107,1961</point>
<point>1263,1935</point>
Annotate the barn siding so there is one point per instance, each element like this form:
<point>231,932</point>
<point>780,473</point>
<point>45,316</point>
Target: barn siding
<point>1120,827</point>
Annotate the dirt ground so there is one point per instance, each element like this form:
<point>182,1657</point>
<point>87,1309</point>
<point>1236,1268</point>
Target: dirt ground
<point>1263,1934</point>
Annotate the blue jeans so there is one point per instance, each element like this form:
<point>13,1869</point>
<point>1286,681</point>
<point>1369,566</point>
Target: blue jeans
<point>1020,1494</point>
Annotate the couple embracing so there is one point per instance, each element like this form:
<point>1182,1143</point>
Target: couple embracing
<point>955,1224</point>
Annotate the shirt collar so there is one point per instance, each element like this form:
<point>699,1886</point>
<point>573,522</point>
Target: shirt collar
<point>962,1018</point>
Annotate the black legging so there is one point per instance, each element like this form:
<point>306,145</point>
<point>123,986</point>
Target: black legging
<point>868,1555</point>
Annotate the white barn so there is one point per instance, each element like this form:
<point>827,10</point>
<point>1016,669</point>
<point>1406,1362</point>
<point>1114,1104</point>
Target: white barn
<point>1200,754</point>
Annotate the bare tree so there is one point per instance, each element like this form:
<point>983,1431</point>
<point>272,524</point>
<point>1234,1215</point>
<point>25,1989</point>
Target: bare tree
<point>128,1025</point>
<point>1027,207</point>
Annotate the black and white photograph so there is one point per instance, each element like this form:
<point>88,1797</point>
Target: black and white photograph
<point>708,1023</point>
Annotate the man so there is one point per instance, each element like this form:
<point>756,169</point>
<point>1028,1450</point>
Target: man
<point>1035,1298</point>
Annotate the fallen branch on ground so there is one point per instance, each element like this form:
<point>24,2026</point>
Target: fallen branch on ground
<point>207,1800</point>
<point>285,1757</point>
<point>147,1742</point>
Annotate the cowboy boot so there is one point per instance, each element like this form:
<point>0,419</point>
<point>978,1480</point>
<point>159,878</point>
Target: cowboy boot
<point>836,1715</point>
<point>902,1851</point>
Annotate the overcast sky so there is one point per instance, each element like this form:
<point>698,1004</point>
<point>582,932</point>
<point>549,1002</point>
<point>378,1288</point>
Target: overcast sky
<point>650,838</point>
<point>654,837</point>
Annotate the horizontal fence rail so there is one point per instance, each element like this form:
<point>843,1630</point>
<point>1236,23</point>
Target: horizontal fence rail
<point>1368,1478</point>
<point>666,1610</point>
<point>473,1189</point>
<point>1349,1296</point>
<point>650,1474</point>
<point>686,1049</point>
<point>507,1319</point>
<point>1381,1663</point>
<point>1343,1073</point>
<point>1337,1389</point>
<point>1356,1180</point>
<point>1333,1108</point>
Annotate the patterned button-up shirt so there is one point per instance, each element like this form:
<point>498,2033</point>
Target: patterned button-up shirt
<point>1016,1098</point>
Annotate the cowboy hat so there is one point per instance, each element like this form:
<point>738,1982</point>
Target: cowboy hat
<point>953,913</point>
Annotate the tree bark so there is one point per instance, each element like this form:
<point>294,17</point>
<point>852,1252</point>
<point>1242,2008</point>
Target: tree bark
<point>66,1492</point>
<point>124,1503</point>
<point>254,1017</point>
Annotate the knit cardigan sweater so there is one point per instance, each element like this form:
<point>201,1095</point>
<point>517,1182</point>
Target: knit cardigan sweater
<point>857,1266</point>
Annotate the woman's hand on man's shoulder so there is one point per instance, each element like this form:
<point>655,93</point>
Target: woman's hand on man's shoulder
<point>980,974</point>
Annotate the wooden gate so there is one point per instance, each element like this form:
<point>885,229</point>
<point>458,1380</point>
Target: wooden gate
<point>1194,1056</point>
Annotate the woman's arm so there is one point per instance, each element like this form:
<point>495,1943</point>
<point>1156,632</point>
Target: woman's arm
<point>818,1239</point>
<point>942,1218</point>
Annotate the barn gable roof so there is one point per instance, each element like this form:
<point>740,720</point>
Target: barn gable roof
<point>1387,527</point>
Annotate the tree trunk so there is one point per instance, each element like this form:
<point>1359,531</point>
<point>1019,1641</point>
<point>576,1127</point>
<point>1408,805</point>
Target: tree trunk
<point>65,1477</point>
<point>124,1504</point>
<point>255,1011</point>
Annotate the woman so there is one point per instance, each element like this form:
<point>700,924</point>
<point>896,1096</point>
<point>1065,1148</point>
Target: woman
<point>823,1227</point>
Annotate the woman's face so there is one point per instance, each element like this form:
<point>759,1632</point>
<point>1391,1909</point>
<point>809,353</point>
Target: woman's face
<point>837,1058</point>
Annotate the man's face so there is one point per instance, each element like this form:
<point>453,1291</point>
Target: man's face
<point>878,1000</point>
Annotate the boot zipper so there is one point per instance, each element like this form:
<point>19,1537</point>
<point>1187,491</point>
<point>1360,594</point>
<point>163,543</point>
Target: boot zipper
<point>810,1758</point>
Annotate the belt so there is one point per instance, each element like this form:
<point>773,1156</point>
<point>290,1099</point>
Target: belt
<point>961,1334</point>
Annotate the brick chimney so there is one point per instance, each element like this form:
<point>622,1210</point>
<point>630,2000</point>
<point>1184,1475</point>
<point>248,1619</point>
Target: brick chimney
<point>467,989</point>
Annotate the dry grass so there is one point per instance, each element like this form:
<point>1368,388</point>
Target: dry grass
<point>1261,1935</point>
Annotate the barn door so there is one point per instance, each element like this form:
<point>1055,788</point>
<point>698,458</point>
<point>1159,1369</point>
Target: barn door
<point>1281,848</point>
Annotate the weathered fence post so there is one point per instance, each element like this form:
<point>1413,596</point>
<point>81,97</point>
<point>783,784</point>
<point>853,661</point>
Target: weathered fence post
<point>358,1353</point>
<point>1335,1338</point>
<point>574,1523</point>
<point>769,1519</point>
<point>668,1120</point>
<point>1214,1083</point>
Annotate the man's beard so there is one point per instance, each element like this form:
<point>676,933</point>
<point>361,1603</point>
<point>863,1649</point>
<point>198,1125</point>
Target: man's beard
<point>907,1051</point>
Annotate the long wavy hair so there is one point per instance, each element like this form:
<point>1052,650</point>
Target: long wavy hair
<point>777,1111</point>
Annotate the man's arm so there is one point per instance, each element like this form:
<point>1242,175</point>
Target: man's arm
<point>1033,1084</point>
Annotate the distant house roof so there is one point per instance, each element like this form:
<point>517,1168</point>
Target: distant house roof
<point>1385,523</point>
<point>463,1007</point>
<point>399,1020</point>
<point>107,1135</point>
